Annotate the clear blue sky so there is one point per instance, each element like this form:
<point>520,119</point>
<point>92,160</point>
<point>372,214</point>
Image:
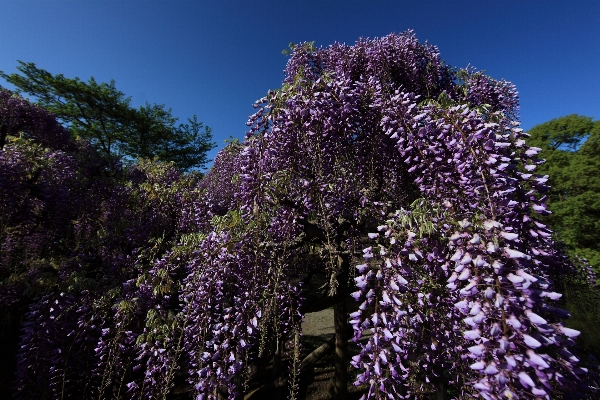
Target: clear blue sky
<point>215,58</point>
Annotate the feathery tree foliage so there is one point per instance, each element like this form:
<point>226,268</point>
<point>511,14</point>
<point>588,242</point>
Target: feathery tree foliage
<point>103,115</point>
<point>571,147</point>
<point>377,169</point>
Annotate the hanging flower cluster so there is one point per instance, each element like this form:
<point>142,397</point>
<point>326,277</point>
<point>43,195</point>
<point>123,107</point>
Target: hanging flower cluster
<point>382,140</point>
<point>475,288</point>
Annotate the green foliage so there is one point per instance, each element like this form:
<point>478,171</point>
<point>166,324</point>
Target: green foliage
<point>420,217</point>
<point>103,115</point>
<point>309,46</point>
<point>570,147</point>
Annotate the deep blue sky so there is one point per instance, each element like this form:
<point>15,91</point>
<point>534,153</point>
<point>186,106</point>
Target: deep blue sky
<point>215,58</point>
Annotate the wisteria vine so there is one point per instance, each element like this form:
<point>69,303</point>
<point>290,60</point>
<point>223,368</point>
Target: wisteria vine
<point>402,182</point>
<point>462,295</point>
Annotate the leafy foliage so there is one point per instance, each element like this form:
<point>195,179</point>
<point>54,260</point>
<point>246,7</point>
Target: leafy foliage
<point>570,147</point>
<point>102,114</point>
<point>377,168</point>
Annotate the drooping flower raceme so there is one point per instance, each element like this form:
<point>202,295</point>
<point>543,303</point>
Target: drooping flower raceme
<point>381,146</point>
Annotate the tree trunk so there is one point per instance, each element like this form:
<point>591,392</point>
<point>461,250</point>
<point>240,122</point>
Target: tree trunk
<point>277,392</point>
<point>441,393</point>
<point>340,316</point>
<point>441,386</point>
<point>277,359</point>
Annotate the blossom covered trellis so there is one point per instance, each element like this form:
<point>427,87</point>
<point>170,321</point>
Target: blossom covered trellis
<point>399,181</point>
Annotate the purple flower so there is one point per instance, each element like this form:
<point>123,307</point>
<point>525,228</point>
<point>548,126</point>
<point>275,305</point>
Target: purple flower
<point>531,342</point>
<point>472,335</point>
<point>525,379</point>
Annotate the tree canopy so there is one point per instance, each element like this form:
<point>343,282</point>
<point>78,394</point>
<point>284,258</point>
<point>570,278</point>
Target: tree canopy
<point>103,115</point>
<point>571,147</point>
<point>376,173</point>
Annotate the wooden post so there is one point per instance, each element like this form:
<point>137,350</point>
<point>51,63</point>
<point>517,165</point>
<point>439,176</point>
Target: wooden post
<point>340,385</point>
